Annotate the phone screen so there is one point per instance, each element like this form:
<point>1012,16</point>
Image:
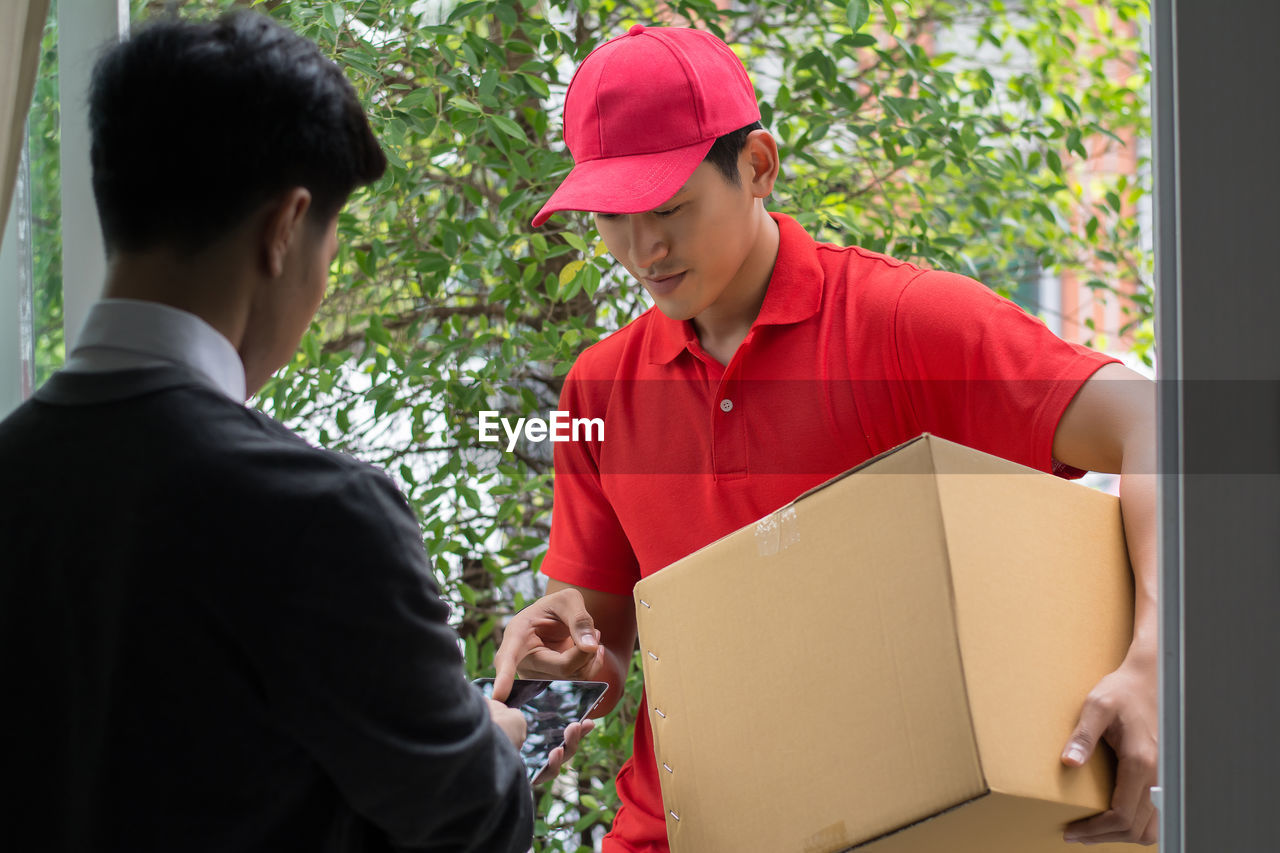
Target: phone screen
<point>548,707</point>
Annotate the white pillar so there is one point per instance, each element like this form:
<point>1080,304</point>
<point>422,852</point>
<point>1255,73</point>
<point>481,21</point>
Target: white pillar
<point>15,296</point>
<point>21,25</point>
<point>84,27</point>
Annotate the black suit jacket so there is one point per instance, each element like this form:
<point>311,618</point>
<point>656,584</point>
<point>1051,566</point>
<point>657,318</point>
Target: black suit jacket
<point>214,636</point>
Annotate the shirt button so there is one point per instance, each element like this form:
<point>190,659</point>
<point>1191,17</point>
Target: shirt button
<point>726,405</point>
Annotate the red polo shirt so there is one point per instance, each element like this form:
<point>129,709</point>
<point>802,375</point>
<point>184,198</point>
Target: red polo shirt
<point>852,354</point>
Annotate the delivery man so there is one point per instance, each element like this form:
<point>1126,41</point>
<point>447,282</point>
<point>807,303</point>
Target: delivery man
<point>768,364</point>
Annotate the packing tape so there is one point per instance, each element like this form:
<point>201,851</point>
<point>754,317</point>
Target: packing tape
<point>777,531</point>
<point>788,528</point>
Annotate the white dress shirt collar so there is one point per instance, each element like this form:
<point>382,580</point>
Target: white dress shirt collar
<point>124,334</point>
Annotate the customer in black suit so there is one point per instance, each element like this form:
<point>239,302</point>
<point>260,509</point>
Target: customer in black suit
<point>214,636</point>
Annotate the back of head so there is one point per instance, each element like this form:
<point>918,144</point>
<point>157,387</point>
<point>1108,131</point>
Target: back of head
<point>194,125</point>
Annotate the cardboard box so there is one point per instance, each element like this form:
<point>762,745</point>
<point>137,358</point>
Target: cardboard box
<point>892,663</point>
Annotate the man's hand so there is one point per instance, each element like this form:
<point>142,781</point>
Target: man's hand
<point>561,755</point>
<point>510,721</point>
<point>513,724</point>
<point>556,638</point>
<point>1123,709</point>
<point>553,638</point>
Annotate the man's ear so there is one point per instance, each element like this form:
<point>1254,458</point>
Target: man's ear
<point>285,220</point>
<point>759,162</point>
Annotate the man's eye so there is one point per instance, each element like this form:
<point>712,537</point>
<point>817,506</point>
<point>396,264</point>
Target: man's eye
<point>668,211</point>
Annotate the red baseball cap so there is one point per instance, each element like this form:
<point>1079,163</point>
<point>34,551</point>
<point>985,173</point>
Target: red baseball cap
<point>641,113</point>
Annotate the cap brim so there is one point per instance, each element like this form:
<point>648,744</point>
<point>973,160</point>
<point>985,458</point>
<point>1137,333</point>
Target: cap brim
<point>631,184</point>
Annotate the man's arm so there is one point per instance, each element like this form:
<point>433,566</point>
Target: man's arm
<point>573,633</point>
<point>349,638</point>
<point>1110,426</point>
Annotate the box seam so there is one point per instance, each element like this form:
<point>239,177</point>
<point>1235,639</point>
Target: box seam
<point>955,613</point>
<point>915,823</point>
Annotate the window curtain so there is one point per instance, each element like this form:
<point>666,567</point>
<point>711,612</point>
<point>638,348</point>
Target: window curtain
<point>21,27</point>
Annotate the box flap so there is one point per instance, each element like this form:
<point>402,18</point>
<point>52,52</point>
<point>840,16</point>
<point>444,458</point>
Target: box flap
<point>995,823</point>
<point>921,439</point>
<point>805,688</point>
<point>1044,603</point>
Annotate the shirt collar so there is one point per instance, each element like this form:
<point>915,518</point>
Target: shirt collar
<point>794,294</point>
<point>124,333</point>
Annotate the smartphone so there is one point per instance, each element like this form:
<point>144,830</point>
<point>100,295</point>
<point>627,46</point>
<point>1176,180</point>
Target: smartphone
<point>548,707</point>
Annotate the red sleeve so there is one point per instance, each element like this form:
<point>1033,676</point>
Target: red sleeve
<point>982,372</point>
<point>588,546</point>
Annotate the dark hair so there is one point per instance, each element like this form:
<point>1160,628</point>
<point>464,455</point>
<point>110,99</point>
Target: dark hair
<point>194,125</point>
<point>725,150</point>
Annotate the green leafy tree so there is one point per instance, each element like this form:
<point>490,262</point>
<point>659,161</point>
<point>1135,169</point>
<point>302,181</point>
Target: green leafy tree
<point>43,147</point>
<point>948,132</point>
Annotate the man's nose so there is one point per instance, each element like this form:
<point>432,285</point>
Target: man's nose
<point>648,242</point>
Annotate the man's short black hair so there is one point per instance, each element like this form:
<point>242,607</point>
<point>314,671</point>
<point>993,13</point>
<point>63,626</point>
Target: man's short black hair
<point>194,125</point>
<point>725,150</point>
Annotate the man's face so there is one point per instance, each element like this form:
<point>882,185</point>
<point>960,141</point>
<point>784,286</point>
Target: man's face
<point>689,252</point>
<point>318,248</point>
<point>322,252</point>
<point>284,307</point>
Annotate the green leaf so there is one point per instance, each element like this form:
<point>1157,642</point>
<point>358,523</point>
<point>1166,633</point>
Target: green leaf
<point>569,271</point>
<point>465,105</point>
<point>334,15</point>
<point>362,61</point>
<point>1055,162</point>
<point>890,17</point>
<point>311,345</point>
<point>537,84</point>
<point>417,97</point>
<point>509,127</point>
<point>1074,143</point>
<point>393,158</point>
<point>857,13</point>
<point>462,10</point>
<point>591,280</point>
<point>505,14</point>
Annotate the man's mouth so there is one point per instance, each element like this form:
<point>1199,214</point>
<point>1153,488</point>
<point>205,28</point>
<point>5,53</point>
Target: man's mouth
<point>662,284</point>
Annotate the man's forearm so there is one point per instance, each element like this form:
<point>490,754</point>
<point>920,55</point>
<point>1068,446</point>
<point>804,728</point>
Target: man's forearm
<point>1138,488</point>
